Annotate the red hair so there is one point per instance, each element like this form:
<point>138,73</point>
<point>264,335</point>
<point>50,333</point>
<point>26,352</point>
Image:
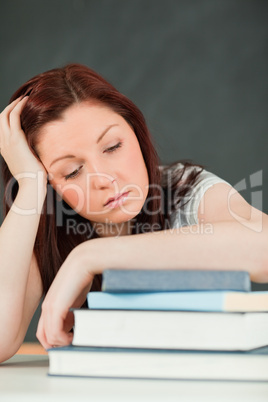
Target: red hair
<point>50,94</point>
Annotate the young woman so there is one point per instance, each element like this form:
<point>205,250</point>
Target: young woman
<point>84,191</point>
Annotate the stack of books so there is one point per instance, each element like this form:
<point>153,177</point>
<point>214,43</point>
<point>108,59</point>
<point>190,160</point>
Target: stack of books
<point>169,324</point>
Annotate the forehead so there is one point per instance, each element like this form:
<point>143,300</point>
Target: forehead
<point>79,114</point>
<point>79,120</point>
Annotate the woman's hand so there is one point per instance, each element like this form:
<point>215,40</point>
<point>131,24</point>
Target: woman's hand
<point>14,148</point>
<point>68,290</point>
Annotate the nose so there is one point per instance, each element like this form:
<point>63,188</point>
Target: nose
<point>100,180</point>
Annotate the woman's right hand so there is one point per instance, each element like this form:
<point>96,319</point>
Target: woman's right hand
<point>13,144</point>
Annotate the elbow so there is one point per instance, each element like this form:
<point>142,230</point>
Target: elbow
<point>10,343</point>
<point>8,351</point>
<point>260,269</point>
<point>264,262</point>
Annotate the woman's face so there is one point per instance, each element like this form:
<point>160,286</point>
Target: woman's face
<point>95,163</point>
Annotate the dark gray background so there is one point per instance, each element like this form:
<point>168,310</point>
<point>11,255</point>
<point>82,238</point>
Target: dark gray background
<point>196,68</point>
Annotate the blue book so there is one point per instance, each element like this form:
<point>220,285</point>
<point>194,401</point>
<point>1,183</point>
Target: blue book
<point>164,280</point>
<point>217,301</point>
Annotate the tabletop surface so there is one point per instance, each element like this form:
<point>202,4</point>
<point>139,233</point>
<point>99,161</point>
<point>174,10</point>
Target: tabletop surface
<point>24,378</point>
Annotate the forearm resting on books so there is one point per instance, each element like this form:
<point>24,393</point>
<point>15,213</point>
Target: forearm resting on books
<point>225,245</point>
<point>229,246</point>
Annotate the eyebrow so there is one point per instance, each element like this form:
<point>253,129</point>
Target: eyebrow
<point>98,140</point>
<point>105,131</point>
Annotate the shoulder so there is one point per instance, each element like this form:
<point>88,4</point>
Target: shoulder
<point>192,182</point>
<point>209,199</point>
<point>196,178</point>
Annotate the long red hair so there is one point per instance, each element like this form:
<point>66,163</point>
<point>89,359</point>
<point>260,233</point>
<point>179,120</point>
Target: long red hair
<point>50,94</point>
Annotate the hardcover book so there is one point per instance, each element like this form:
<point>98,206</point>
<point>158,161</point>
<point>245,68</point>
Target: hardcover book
<point>216,301</point>
<point>142,280</point>
<point>158,364</point>
<point>170,329</point>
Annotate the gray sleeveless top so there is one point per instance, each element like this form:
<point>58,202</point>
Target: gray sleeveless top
<point>187,214</point>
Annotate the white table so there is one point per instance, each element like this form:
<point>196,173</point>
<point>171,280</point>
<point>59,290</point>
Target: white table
<point>23,378</point>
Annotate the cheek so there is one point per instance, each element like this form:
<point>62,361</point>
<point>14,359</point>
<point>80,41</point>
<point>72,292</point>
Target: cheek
<point>137,166</point>
<point>134,155</point>
<point>74,196</point>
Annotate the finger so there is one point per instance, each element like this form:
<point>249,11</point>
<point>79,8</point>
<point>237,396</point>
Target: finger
<point>52,329</point>
<point>11,105</point>
<point>40,334</point>
<point>5,115</point>
<point>14,116</point>
<point>56,332</point>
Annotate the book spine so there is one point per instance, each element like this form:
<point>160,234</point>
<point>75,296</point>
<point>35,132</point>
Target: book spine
<point>115,280</point>
<point>184,301</point>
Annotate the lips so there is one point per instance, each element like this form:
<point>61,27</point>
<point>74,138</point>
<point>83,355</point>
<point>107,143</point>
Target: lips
<point>116,199</point>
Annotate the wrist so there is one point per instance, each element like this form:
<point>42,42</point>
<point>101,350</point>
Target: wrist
<point>31,196</point>
<point>95,255</point>
<point>34,181</point>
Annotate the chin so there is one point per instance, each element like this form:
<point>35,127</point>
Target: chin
<point>118,217</point>
<point>123,218</point>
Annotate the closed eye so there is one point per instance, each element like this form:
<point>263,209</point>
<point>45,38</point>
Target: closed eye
<point>73,174</point>
<point>114,148</point>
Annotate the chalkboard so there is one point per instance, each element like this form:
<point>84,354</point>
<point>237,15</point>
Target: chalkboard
<point>196,68</point>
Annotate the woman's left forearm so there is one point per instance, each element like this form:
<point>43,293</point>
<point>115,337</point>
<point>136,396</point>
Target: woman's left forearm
<point>223,245</point>
<point>220,245</point>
